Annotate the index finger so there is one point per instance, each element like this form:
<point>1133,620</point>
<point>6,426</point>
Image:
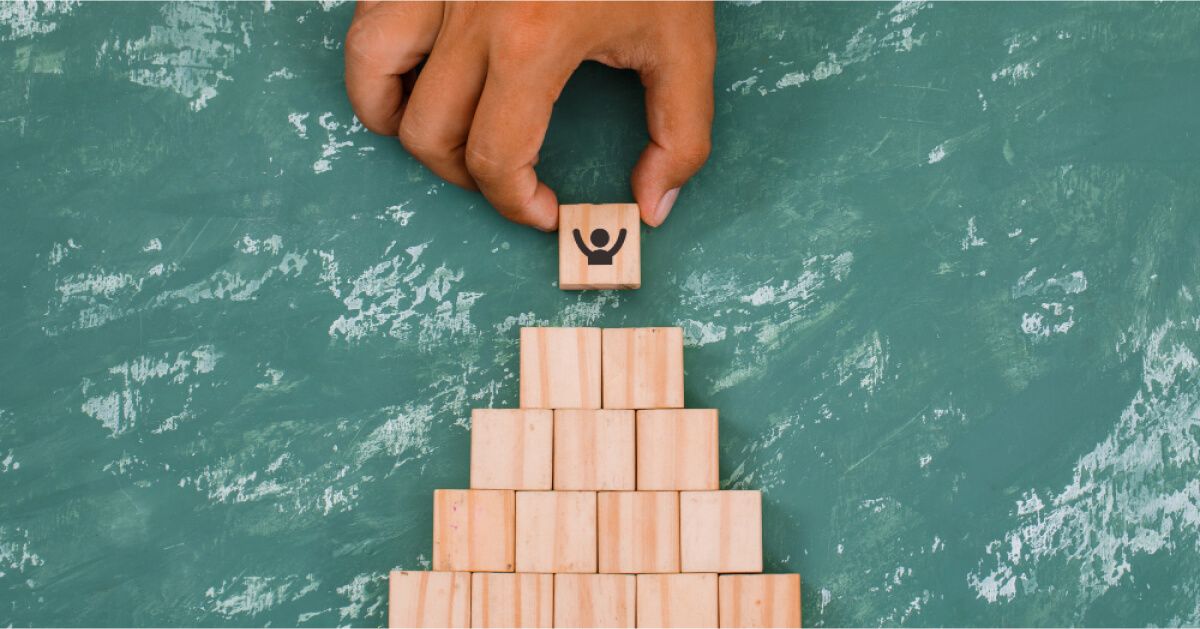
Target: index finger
<point>506,134</point>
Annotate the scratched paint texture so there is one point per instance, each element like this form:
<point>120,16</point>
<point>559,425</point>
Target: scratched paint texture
<point>940,276</point>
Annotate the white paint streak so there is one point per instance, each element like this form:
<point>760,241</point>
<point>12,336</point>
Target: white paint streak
<point>1135,494</point>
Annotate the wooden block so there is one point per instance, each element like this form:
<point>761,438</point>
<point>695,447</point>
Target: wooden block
<point>505,599</point>
<point>473,530</point>
<point>599,246</point>
<point>677,600</point>
<point>643,368</point>
<point>429,599</point>
<point>556,531</point>
<point>677,449</point>
<point>594,449</point>
<point>720,531</point>
<point>512,448</point>
<point>638,531</point>
<point>594,600</point>
<point>560,368</point>
<point>760,600</point>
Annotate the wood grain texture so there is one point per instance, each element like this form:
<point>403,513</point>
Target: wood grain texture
<point>429,599</point>
<point>506,599</point>
<point>594,450</point>
<point>556,531</point>
<point>625,270</point>
<point>512,448</point>
<point>595,600</point>
<point>677,600</point>
<point>677,449</point>
<point>720,531</point>
<point>638,531</point>
<point>473,530</point>
<point>560,368</point>
<point>760,600</point>
<point>643,368</point>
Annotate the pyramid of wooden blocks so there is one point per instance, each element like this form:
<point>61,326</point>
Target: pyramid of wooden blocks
<point>597,503</point>
<point>599,246</point>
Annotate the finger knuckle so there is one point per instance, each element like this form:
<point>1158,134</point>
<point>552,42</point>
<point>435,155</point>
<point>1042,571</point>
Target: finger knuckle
<point>485,165</point>
<point>361,41</point>
<point>694,152</point>
<point>413,138</point>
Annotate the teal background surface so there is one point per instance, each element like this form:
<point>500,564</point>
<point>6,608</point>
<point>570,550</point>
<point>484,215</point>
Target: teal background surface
<point>940,277</point>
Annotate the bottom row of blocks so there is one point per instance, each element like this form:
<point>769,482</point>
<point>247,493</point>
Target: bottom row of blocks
<point>463,599</point>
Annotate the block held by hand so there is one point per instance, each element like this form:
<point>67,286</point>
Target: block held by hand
<point>599,246</point>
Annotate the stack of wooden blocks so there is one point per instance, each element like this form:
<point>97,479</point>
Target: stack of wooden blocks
<point>596,504</point>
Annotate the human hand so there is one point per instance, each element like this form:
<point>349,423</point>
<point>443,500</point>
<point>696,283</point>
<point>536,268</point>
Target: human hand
<point>478,111</point>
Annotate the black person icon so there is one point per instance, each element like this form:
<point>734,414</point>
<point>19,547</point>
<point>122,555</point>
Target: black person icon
<point>599,237</point>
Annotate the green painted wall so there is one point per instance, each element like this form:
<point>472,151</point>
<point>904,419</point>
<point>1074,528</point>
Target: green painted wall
<point>940,277</point>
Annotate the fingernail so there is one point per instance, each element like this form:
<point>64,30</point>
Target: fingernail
<point>664,206</point>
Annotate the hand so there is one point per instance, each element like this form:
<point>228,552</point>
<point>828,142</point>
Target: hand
<point>478,111</point>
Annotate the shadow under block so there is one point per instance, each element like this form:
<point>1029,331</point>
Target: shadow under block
<point>643,368</point>
<point>512,448</point>
<point>720,531</point>
<point>594,449</point>
<point>560,368</point>
<point>599,246</point>
<point>507,599</point>
<point>677,600</point>
<point>760,600</point>
<point>473,530</point>
<point>638,531</point>
<point>429,599</point>
<point>677,449</point>
<point>556,531</point>
<point>594,600</point>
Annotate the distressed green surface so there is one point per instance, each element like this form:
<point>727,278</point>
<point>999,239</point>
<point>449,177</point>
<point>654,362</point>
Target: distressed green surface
<point>939,276</point>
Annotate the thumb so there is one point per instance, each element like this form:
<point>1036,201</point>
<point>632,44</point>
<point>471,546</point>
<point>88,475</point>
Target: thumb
<point>679,113</point>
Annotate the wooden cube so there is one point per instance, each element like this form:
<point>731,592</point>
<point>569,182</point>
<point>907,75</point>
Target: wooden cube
<point>760,600</point>
<point>429,599</point>
<point>556,531</point>
<point>677,449</point>
<point>643,368</point>
<point>473,530</point>
<point>505,599</point>
<point>599,246</point>
<point>560,368</point>
<point>594,450</point>
<point>595,600</point>
<point>720,531</point>
<point>677,600</point>
<point>512,448</point>
<point>638,531</point>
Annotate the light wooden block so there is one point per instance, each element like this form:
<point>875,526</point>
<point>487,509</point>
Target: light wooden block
<point>643,368</point>
<point>512,448</point>
<point>556,531</point>
<point>560,368</point>
<point>505,599</point>
<point>473,530</point>
<point>760,600</point>
<point>595,600</point>
<point>677,449</point>
<point>594,450</point>
<point>638,531</point>
<point>599,246</point>
<point>720,531</point>
<point>677,600</point>
<point>429,599</point>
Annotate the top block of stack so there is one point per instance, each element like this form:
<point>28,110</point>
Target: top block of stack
<point>643,368</point>
<point>560,368</point>
<point>587,368</point>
